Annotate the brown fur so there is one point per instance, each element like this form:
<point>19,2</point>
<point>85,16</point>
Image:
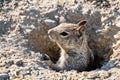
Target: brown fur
<point>75,52</point>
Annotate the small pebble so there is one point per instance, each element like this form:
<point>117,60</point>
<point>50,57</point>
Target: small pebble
<point>20,63</point>
<point>28,72</point>
<point>50,22</point>
<point>9,63</point>
<point>104,74</point>
<point>93,76</point>
<point>4,76</point>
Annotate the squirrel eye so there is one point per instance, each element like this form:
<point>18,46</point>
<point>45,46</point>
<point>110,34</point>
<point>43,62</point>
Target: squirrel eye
<point>64,33</point>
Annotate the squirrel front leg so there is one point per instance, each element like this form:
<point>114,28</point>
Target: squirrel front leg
<point>54,66</point>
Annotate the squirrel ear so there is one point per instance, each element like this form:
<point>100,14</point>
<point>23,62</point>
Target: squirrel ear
<point>82,22</point>
<point>81,26</point>
<point>81,29</point>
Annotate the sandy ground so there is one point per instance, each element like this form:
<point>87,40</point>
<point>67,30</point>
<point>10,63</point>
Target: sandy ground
<point>21,61</point>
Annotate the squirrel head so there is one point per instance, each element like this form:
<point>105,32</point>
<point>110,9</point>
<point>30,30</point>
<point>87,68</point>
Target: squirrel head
<point>67,35</point>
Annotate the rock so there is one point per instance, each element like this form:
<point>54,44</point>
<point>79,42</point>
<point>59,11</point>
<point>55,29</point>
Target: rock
<point>36,68</point>
<point>118,24</point>
<point>99,31</point>
<point>106,3</point>
<point>60,19</point>
<point>109,64</point>
<point>9,63</point>
<point>93,75</point>
<point>19,63</point>
<point>4,76</point>
<point>36,73</point>
<point>28,72</point>
<point>44,57</point>
<point>50,23</point>
<point>18,71</point>
<point>104,74</point>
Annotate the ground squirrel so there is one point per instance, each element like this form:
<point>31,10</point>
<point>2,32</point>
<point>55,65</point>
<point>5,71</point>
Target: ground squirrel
<point>72,40</point>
